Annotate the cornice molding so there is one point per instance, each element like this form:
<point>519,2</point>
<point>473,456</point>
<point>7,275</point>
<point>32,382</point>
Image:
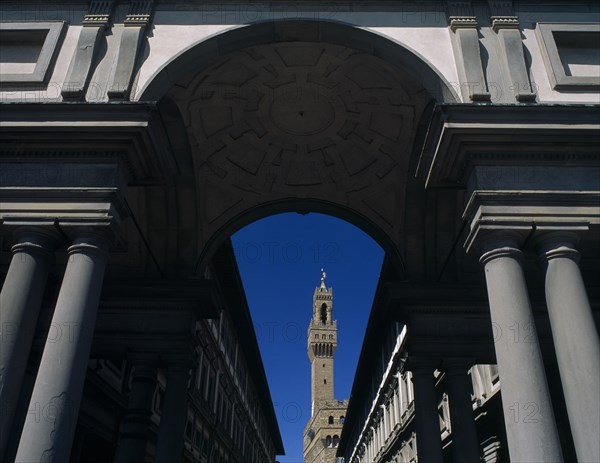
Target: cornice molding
<point>463,135</point>
<point>132,132</point>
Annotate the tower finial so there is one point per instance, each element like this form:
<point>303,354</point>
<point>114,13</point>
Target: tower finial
<point>323,276</point>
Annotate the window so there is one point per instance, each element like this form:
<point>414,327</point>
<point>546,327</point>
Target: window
<point>324,314</point>
<point>324,381</point>
<point>328,441</point>
<point>27,50</point>
<point>571,54</point>
<point>331,420</point>
<point>342,419</point>
<point>336,440</point>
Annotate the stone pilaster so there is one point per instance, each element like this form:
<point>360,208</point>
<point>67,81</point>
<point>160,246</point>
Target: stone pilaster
<point>465,43</point>
<point>136,21</point>
<point>80,69</point>
<point>506,24</point>
<point>575,339</point>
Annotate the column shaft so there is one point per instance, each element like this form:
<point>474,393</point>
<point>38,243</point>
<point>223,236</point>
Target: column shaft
<point>50,424</point>
<point>429,443</point>
<point>20,302</point>
<point>169,446</point>
<point>134,430</point>
<point>577,347</point>
<point>528,414</point>
<point>465,443</point>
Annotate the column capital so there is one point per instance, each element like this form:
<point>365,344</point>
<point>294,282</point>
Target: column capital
<point>422,366</point>
<point>499,243</point>
<point>557,244</point>
<point>457,366</point>
<point>139,358</point>
<point>177,363</point>
<point>39,240</point>
<point>89,241</point>
<point>502,251</point>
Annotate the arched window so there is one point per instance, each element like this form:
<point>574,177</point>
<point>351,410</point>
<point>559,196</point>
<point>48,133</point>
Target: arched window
<point>336,440</point>
<point>324,314</point>
<point>331,420</point>
<point>342,419</point>
<point>324,381</point>
<point>328,441</point>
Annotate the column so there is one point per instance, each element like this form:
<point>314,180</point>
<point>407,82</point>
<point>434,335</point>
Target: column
<point>384,424</point>
<point>427,421</point>
<point>50,424</point>
<point>576,343</point>
<point>402,394</point>
<point>20,302</point>
<point>397,414</point>
<point>528,415</point>
<point>134,429</point>
<point>169,446</point>
<point>465,443</point>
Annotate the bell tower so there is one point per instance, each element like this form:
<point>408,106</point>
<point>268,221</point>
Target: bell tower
<point>323,430</point>
<point>322,342</point>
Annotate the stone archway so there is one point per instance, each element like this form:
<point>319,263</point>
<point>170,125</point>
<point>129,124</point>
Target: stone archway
<point>303,124</point>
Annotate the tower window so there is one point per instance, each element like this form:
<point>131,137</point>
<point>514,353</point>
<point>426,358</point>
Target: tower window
<point>324,314</point>
<point>331,420</point>
<point>324,381</point>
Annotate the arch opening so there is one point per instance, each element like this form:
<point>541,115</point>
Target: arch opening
<point>305,118</point>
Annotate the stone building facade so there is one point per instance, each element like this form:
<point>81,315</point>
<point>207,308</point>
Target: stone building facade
<point>324,428</point>
<point>136,136</point>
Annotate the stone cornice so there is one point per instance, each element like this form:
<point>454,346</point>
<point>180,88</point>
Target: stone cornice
<point>168,308</point>
<point>131,131</point>
<point>68,208</point>
<point>529,213</point>
<point>462,135</point>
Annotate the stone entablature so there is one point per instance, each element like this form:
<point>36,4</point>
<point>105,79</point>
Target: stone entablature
<point>80,72</point>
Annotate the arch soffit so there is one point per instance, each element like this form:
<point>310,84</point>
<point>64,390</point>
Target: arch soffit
<point>211,55</point>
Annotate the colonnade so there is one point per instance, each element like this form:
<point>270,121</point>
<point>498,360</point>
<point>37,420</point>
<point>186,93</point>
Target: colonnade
<point>58,388</point>
<point>527,407</point>
<point>531,428</point>
<point>530,425</point>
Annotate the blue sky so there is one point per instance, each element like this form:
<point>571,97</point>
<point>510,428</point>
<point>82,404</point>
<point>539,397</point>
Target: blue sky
<point>280,260</point>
